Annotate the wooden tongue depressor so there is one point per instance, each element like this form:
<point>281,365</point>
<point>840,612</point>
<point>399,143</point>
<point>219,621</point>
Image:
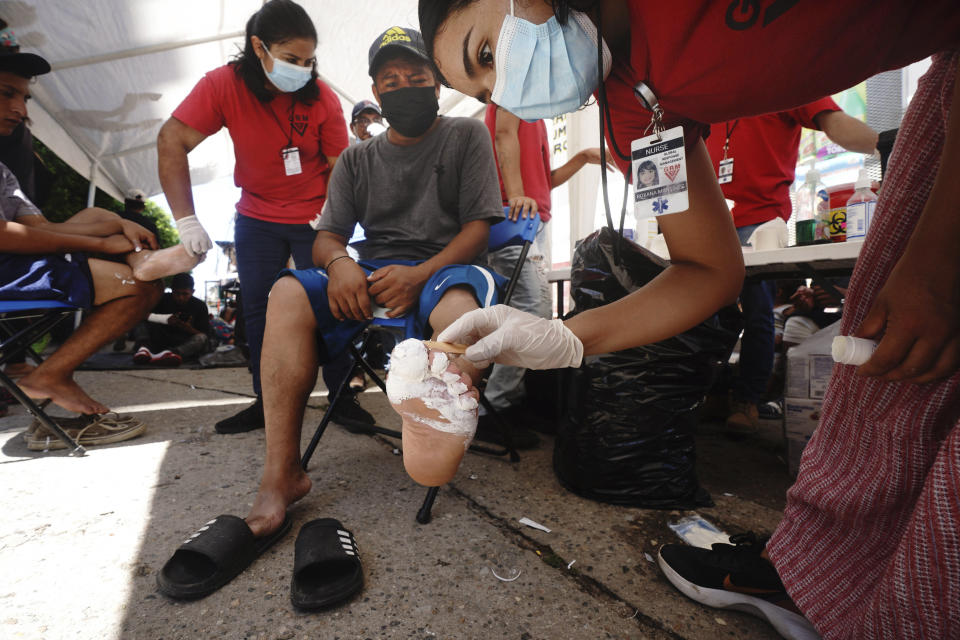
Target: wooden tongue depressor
<point>446,347</point>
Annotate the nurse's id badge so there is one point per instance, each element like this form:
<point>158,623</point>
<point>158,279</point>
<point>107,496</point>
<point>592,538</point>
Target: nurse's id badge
<point>725,171</point>
<point>291,161</point>
<point>660,174</point>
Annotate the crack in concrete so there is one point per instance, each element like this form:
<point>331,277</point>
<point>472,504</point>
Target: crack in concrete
<point>586,584</point>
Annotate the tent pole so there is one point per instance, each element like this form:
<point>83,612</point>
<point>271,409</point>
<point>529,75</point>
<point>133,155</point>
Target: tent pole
<point>92,190</point>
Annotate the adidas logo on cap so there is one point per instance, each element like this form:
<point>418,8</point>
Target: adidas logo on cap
<point>394,34</point>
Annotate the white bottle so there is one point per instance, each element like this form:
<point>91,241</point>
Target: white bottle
<point>850,350</point>
<point>860,208</point>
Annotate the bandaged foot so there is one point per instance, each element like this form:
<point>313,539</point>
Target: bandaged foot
<point>152,265</point>
<point>438,406</point>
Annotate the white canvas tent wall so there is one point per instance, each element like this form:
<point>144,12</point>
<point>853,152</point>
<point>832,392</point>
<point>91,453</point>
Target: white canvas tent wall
<point>122,66</point>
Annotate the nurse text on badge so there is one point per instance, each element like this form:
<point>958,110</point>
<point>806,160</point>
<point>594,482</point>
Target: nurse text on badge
<point>660,174</point>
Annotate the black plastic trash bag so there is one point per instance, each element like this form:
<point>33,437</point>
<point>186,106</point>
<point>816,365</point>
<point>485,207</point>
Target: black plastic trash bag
<point>628,436</point>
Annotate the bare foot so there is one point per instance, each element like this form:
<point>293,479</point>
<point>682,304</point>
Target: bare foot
<point>62,391</point>
<point>273,498</point>
<point>150,265</point>
<point>438,407</point>
<point>18,369</point>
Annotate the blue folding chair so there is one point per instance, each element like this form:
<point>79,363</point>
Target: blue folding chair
<point>42,316</point>
<point>507,233</point>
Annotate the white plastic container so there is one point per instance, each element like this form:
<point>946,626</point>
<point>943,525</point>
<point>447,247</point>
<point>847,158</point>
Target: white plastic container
<point>860,208</point>
<point>850,350</point>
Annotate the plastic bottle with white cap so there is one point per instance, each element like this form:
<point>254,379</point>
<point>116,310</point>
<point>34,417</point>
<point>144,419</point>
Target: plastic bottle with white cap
<point>860,208</point>
<point>850,350</point>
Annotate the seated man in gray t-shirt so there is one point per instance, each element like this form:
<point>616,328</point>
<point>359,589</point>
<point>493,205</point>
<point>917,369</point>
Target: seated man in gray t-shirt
<point>425,193</point>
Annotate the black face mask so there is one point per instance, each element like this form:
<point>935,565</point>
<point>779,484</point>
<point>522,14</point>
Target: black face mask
<point>410,110</point>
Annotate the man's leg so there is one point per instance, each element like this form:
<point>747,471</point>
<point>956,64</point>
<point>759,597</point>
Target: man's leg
<point>455,302</point>
<point>756,350</point>
<point>262,251</point>
<point>193,346</point>
<point>431,455</point>
<point>505,385</point>
<point>336,371</point>
<point>756,356</point>
<point>288,374</point>
<point>120,302</point>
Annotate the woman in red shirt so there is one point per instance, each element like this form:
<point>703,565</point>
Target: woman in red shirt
<point>867,541</point>
<point>287,129</point>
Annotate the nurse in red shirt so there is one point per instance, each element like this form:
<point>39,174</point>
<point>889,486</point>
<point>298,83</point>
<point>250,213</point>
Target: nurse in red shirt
<point>287,129</point>
<point>762,153</point>
<point>868,544</point>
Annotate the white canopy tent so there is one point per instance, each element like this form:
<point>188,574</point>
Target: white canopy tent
<point>120,67</point>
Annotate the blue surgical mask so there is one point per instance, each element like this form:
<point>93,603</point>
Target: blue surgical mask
<point>546,70</point>
<point>285,76</point>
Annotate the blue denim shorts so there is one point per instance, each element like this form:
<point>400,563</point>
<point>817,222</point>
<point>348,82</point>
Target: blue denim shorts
<point>337,335</point>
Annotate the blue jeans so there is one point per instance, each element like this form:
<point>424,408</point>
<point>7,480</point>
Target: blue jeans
<point>505,385</point>
<point>263,249</point>
<point>756,345</point>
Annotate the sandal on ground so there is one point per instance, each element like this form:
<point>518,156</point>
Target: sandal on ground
<point>213,556</point>
<point>79,422</point>
<point>88,431</point>
<point>326,565</point>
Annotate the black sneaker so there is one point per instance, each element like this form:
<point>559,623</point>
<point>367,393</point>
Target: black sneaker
<point>488,430</point>
<point>351,416</point>
<point>735,576</point>
<point>247,420</point>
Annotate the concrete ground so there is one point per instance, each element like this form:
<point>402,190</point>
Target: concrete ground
<point>82,538</point>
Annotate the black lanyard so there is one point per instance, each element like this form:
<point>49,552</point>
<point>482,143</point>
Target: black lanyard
<point>730,130</point>
<point>289,136</point>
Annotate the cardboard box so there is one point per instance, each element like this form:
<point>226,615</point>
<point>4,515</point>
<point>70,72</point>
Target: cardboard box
<point>800,419</point>
<point>810,365</point>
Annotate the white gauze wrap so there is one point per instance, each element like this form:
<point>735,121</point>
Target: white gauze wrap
<point>412,376</point>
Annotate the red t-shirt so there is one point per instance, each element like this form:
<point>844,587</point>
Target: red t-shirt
<point>259,132</point>
<point>709,61</point>
<point>534,160</point>
<point>764,151</point>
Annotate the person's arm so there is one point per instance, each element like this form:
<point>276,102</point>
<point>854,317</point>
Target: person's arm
<point>705,273</point>
<point>333,130</point>
<point>847,131</point>
<point>99,223</point>
<point>347,287</point>
<point>21,238</point>
<point>507,149</point>
<point>174,142</point>
<point>396,287</point>
<point>579,160</point>
<point>917,312</point>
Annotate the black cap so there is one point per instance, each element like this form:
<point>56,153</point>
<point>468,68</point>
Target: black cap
<point>26,65</point>
<point>364,105</point>
<point>397,38</point>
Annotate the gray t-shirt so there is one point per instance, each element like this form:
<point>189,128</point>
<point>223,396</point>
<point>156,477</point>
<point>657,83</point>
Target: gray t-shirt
<point>13,202</point>
<point>412,201</point>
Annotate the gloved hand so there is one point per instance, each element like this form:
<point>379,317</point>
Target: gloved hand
<point>192,236</point>
<point>509,336</point>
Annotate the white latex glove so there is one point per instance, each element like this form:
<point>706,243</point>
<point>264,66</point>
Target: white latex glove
<point>192,236</point>
<point>508,336</point>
